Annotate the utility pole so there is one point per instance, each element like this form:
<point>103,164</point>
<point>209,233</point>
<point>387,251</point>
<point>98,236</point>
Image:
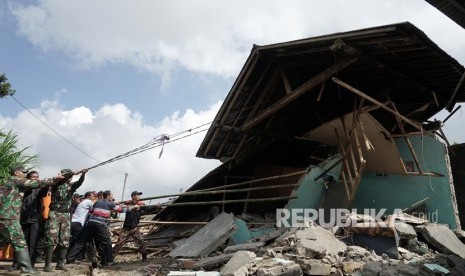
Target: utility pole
<point>124,186</point>
<point>122,194</point>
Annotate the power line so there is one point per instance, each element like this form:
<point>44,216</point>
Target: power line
<point>73,145</point>
<point>50,128</point>
<point>160,140</point>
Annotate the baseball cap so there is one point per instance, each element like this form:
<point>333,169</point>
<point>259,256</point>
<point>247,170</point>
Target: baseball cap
<point>76,195</point>
<point>136,193</point>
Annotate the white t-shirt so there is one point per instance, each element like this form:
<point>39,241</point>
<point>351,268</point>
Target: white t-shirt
<point>81,211</point>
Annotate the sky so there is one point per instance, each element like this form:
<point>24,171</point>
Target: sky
<point>96,79</point>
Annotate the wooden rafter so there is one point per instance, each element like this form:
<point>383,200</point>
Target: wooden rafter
<point>287,85</point>
<point>299,91</point>
<point>383,106</point>
<point>407,140</point>
<point>239,115</point>
<point>228,108</point>
<point>352,51</point>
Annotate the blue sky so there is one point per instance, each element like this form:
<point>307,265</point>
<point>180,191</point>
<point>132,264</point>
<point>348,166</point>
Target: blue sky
<point>110,75</point>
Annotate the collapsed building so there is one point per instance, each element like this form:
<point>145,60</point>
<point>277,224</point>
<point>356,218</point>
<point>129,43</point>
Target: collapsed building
<point>339,121</point>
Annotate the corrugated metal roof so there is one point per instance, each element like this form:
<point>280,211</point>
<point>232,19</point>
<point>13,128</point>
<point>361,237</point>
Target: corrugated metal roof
<point>396,61</point>
<point>454,9</point>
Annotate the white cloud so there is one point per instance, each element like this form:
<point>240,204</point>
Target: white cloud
<point>76,117</point>
<point>208,36</point>
<point>110,131</point>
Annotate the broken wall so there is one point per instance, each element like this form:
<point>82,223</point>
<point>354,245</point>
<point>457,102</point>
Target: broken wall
<point>457,158</point>
<point>311,192</point>
<point>401,191</point>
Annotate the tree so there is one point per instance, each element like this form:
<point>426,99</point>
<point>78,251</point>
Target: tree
<point>5,87</point>
<point>10,155</point>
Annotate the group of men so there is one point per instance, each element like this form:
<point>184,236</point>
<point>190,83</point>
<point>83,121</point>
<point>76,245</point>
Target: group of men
<point>68,232</point>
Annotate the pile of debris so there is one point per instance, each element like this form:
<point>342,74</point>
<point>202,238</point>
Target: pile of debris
<point>405,246</point>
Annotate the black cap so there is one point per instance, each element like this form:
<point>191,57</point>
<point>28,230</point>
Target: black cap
<point>106,193</point>
<point>136,193</point>
<point>87,194</point>
<point>13,169</point>
<point>76,195</point>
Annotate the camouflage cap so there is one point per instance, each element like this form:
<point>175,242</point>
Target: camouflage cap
<point>66,171</point>
<point>13,169</point>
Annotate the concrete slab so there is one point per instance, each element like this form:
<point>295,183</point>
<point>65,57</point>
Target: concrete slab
<point>208,238</point>
<point>287,269</point>
<point>314,267</point>
<point>443,239</point>
<point>405,231</point>
<point>238,265</point>
<point>213,262</point>
<point>318,242</point>
<point>244,246</point>
<point>193,273</point>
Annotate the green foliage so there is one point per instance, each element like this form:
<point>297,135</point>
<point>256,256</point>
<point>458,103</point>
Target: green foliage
<point>10,155</point>
<point>5,87</point>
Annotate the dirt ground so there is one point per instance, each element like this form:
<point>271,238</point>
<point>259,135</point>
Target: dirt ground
<point>127,264</point>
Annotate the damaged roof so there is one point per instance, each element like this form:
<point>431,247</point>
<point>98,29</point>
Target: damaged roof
<point>285,90</point>
<point>454,9</point>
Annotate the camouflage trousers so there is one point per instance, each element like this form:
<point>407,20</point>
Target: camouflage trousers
<point>58,229</point>
<point>124,237</point>
<point>11,232</point>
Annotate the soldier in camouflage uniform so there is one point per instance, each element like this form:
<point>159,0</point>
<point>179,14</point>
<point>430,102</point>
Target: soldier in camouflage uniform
<point>11,199</point>
<point>57,229</point>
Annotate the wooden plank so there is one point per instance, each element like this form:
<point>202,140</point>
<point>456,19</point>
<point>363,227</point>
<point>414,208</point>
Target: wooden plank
<point>363,95</point>
<point>346,163</point>
<point>346,185</point>
<point>216,202</point>
<point>287,85</point>
<point>357,182</point>
<point>197,193</point>
<point>347,149</point>
<point>299,91</point>
<point>407,140</point>
<point>368,144</point>
<point>244,211</point>
<point>357,143</point>
<point>254,110</point>
<point>435,98</point>
<point>450,103</point>
<point>231,103</point>
<point>378,136</point>
<point>322,89</point>
<point>239,115</point>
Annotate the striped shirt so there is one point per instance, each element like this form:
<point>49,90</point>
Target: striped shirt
<point>102,210</point>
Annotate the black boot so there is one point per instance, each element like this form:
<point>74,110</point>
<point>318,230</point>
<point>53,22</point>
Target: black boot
<point>14,267</point>
<point>24,263</point>
<point>48,259</point>
<point>61,260</point>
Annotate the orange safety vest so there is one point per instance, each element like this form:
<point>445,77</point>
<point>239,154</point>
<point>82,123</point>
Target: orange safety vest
<point>46,200</point>
<point>6,252</point>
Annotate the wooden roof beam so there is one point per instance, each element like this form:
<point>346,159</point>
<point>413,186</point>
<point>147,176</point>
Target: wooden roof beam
<point>354,52</point>
<point>378,103</point>
<point>299,91</point>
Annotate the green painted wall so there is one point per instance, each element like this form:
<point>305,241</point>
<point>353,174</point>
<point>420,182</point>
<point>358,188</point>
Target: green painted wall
<point>310,192</point>
<point>398,191</point>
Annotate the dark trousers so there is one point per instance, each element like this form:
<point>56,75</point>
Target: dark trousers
<point>100,234</point>
<point>31,233</point>
<point>76,228</point>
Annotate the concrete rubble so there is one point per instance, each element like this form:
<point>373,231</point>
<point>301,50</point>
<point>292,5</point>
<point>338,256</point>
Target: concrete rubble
<point>208,238</point>
<point>314,250</point>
